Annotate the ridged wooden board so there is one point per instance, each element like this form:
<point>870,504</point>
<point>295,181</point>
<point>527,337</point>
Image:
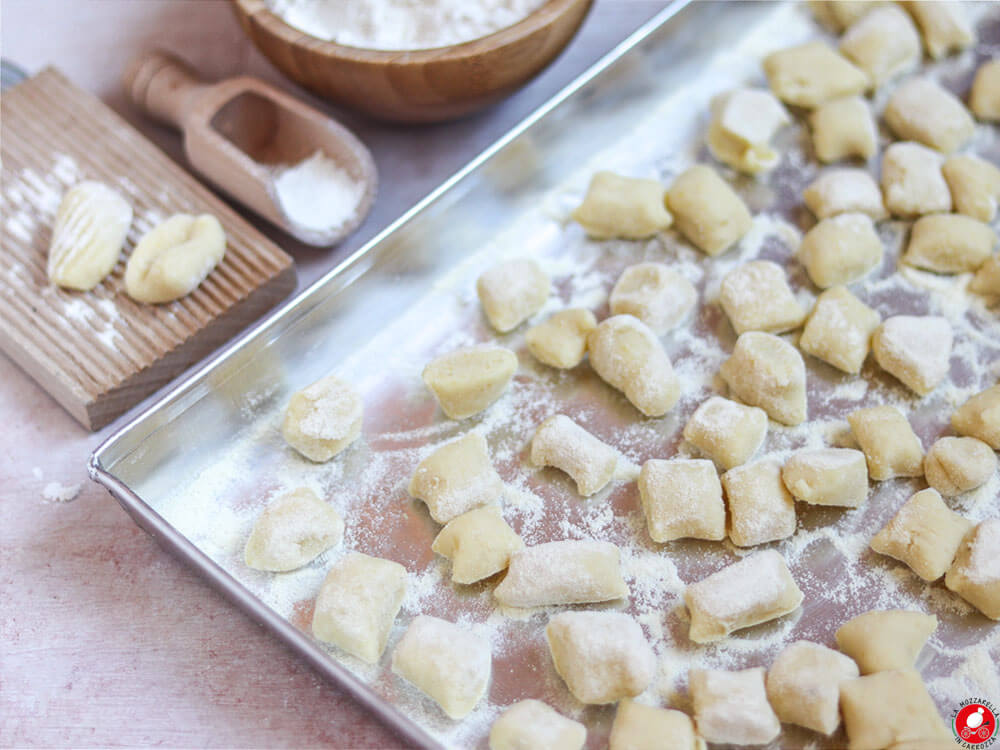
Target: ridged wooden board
<point>99,352</point>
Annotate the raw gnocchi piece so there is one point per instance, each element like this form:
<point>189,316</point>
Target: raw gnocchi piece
<point>760,507</point>
<point>466,381</point>
<point>756,297</point>
<point>572,571</point>
<point>912,181</point>
<point>839,330</point>
<point>655,294</point>
<point>172,259</point>
<point>803,685</point>
<point>323,419</point>
<point>920,110</point>
<point>732,707</point>
<point>768,372</point>
<point>845,191</point>
<point>626,207</point>
<point>949,243</point>
<point>914,348</point>
<point>708,212</point>
<point>975,574</point>
<point>727,432</point>
<point>974,185</point>
<point>628,356</point>
<point>601,656</point>
<point>881,640</point>
<point>987,278</point>
<point>641,727</point>
<point>532,724</point>
<point>479,543</point>
<point>985,97</point>
<point>511,292</point>
<point>837,15</point>
<point>446,662</point>
<point>841,250</point>
<point>925,534</point>
<point>944,26</point>
<point>87,235</point>
<point>743,122</point>
<point>293,530</point>
<point>562,443</point>
<point>456,478</point>
<point>955,465</point>
<point>561,341</point>
<point>756,589</point>
<point>979,417</point>
<point>827,476</point>
<point>682,499</point>
<point>813,73</point>
<point>844,128</point>
<point>889,708</point>
<point>358,603</point>
<point>891,447</point>
<point>883,43</point>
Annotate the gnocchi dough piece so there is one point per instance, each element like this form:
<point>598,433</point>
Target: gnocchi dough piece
<point>641,727</point>
<point>979,417</point>
<point>839,330</point>
<point>655,294</point>
<point>293,530</point>
<point>760,507</point>
<point>479,543</point>
<point>925,534</point>
<point>890,445</point>
<point>727,432</point>
<point>883,43</point>
<point>955,465</point>
<point>756,297</point>
<point>561,341</point>
<point>944,26</point>
<point>358,603</point>
<point>87,235</point>
<point>628,356</point>
<point>845,191</point>
<point>466,381</point>
<point>768,372</point>
<point>323,419</point>
<point>625,207</point>
<point>912,181</point>
<point>456,478</point>
<point>974,185</point>
<point>987,278</point>
<point>531,724</point>
<point>841,250</point>
<point>708,212</point>
<point>811,74</point>
<point>602,656</point>
<point>881,640</point>
<point>827,476</point>
<point>511,292</point>
<point>888,708</point>
<point>844,128</point>
<point>975,574</point>
<point>562,443</point>
<point>743,122</point>
<point>732,707</point>
<point>803,685</point>
<point>756,589</point>
<point>949,243</point>
<point>914,348</point>
<point>920,110</point>
<point>572,571</point>
<point>985,97</point>
<point>172,259</point>
<point>682,499</point>
<point>837,15</point>
<point>446,662</point>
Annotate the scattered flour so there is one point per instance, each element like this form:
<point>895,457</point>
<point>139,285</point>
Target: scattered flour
<point>54,492</point>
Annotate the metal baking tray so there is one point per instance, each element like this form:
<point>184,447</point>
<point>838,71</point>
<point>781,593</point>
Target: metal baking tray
<point>196,468</point>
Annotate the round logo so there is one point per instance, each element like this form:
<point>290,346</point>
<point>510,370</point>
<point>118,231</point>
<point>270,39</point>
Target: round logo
<point>975,724</point>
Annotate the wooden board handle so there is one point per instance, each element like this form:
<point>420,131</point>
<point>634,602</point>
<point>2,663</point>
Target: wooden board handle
<point>163,86</point>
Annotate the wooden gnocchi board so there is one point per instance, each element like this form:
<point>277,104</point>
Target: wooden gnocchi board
<point>98,353</point>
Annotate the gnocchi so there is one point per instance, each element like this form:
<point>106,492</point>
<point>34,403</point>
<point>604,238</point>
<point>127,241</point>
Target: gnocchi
<point>883,43</point>
<point>532,724</point>
<point>655,294</point>
<point>984,99</point>
<point>827,476</point>
<point>811,74</point>
<point>682,499</point>
<point>760,507</point>
<point>889,708</point>
<point>479,543</point>
<point>803,685</point>
<point>561,341</point>
<point>625,207</point>
<point>837,15</point>
<point>466,381</point>
<point>954,465</point>
<point>975,573</point>
<point>944,26</point>
<point>839,330</point>
<point>881,640</point>
<point>562,443</point>
<point>456,478</point>
<point>573,571</point>
<point>641,727</point>
<point>756,297</point>
<point>743,122</point>
<point>987,278</point>
<point>732,707</point>
<point>840,250</point>
<point>912,181</point>
<point>511,292</point>
<point>293,530</point>
<point>768,372</point>
<point>949,243</point>
<point>323,419</point>
<point>891,447</point>
<point>708,212</point>
<point>920,110</point>
<point>727,432</point>
<point>974,185</point>
<point>844,128</point>
<point>845,191</point>
<point>916,349</point>
<point>979,417</point>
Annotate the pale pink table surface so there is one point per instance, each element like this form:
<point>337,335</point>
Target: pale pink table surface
<point>105,639</point>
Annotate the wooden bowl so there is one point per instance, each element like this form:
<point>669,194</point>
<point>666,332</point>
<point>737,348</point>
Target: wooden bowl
<point>429,85</point>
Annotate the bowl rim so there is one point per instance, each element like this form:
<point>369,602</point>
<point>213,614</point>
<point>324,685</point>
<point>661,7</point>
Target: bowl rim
<point>260,11</point>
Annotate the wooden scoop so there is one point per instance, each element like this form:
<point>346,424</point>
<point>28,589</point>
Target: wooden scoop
<point>240,133</point>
